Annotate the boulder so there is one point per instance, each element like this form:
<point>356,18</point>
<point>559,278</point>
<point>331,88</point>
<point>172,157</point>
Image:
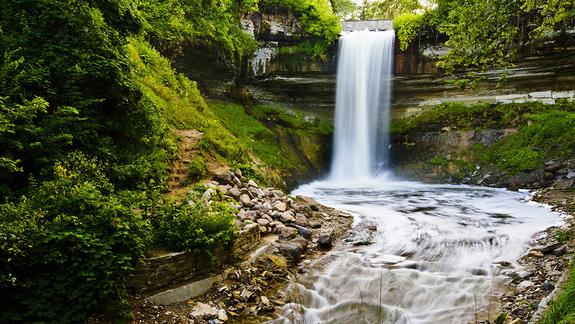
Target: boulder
<point>325,239</point>
<point>252,183</point>
<point>287,233</point>
<point>245,200</point>
<point>287,217</point>
<point>523,286</point>
<point>280,206</point>
<point>305,232</point>
<point>292,250</point>
<point>203,311</point>
<point>301,220</point>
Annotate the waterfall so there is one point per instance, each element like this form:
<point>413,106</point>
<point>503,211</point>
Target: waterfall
<point>364,72</point>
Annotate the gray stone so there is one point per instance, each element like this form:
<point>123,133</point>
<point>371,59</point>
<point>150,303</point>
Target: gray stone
<point>292,250</point>
<point>564,184</point>
<point>325,239</point>
<point>287,217</point>
<point>256,192</point>
<point>524,286</point>
<point>562,94</point>
<point>314,224</point>
<point>540,94</point>
<point>203,311</point>
<point>234,192</point>
<point>245,200</point>
<point>246,294</point>
<point>252,183</point>
<point>288,232</point>
<point>547,286</point>
<point>222,316</point>
<point>280,206</point>
<point>301,220</point>
<point>571,175</point>
<point>263,222</point>
<point>305,232</point>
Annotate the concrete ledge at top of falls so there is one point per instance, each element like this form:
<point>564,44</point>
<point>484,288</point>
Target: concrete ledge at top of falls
<point>372,25</point>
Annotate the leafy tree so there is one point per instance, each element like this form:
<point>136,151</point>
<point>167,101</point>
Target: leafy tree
<point>387,9</point>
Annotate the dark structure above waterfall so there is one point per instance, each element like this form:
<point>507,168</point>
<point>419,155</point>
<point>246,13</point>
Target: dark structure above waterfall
<point>367,24</point>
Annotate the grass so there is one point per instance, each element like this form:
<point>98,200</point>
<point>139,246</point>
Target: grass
<point>543,132</point>
<point>562,309</point>
<point>272,134</point>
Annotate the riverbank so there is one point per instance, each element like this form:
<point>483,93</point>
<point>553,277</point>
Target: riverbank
<point>293,231</point>
<point>537,293</point>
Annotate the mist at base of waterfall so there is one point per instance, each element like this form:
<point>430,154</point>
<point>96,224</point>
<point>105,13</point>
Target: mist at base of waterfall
<point>434,256</point>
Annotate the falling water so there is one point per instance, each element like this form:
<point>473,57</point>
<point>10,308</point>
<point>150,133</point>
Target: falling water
<point>436,256</point>
<point>362,104</point>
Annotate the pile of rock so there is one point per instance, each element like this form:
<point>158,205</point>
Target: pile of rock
<point>273,212</point>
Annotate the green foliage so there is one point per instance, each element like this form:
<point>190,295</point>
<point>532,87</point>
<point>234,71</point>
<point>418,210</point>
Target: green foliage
<point>563,236</point>
<point>181,225</point>
<point>180,102</point>
<point>387,9</point>
<point>494,32</point>
<point>213,25</point>
<point>197,168</point>
<point>543,131</point>
<point>407,27</point>
<point>562,309</point>
<point>66,72</point>
<point>68,247</point>
<point>548,135</point>
<point>439,160</point>
<point>554,15</point>
<point>321,26</point>
<point>343,8</point>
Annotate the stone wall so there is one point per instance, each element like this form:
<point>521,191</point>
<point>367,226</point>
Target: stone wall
<point>161,272</point>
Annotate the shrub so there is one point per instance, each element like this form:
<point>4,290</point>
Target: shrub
<point>185,226</point>
<point>68,247</point>
<point>197,168</point>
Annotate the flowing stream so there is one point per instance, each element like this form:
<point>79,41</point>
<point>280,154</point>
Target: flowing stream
<point>435,251</point>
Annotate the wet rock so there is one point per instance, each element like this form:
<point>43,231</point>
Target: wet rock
<point>524,286</point>
<point>292,250</point>
<point>304,232</point>
<point>360,238</point>
<point>547,286</point>
<point>325,239</point>
<point>564,184</point>
<point>287,233</point>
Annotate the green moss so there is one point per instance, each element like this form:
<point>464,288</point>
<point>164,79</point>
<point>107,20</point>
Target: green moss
<point>547,135</point>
